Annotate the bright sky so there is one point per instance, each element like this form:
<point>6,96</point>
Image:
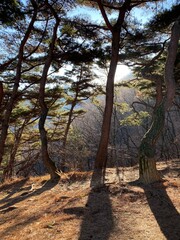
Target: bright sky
<point>123,73</point>
<point>143,14</point>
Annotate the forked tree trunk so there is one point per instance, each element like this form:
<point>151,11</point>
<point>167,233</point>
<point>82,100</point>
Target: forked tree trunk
<point>101,157</point>
<point>147,165</point>
<point>49,164</point>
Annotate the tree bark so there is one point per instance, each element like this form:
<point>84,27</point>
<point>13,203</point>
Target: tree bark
<point>147,165</point>
<point>64,143</point>
<point>101,157</point>
<point>5,122</point>
<point>1,93</point>
<point>49,164</point>
<point>8,171</point>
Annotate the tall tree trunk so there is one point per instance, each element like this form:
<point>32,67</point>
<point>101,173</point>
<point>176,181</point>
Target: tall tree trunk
<point>63,161</point>
<point>147,165</point>
<point>1,93</point>
<point>49,164</point>
<point>101,157</point>
<point>5,122</point>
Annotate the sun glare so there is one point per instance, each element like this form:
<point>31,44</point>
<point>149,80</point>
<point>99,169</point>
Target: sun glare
<point>123,73</point>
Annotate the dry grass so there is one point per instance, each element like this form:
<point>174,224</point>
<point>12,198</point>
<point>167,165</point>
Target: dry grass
<point>36,209</point>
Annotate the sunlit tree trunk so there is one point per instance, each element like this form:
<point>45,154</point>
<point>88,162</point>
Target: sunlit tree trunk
<point>147,165</point>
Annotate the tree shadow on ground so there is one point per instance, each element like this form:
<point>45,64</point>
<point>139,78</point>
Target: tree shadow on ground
<point>21,196</point>
<point>20,224</point>
<point>165,213</point>
<point>12,188</point>
<point>97,223</point>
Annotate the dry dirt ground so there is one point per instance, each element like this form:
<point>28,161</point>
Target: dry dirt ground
<point>36,209</point>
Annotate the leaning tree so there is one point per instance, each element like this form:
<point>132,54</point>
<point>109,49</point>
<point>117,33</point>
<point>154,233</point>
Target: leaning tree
<point>154,54</point>
<point>147,168</point>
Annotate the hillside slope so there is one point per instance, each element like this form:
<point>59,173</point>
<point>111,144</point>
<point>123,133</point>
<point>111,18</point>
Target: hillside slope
<point>37,209</point>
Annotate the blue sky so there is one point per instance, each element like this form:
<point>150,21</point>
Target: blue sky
<point>143,14</point>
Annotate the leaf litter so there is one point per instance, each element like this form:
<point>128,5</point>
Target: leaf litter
<point>36,209</point>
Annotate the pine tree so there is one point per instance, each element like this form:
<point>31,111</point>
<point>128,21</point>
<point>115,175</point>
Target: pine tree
<point>156,71</point>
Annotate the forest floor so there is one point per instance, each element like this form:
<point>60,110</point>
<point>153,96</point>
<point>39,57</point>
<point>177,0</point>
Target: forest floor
<point>37,209</point>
